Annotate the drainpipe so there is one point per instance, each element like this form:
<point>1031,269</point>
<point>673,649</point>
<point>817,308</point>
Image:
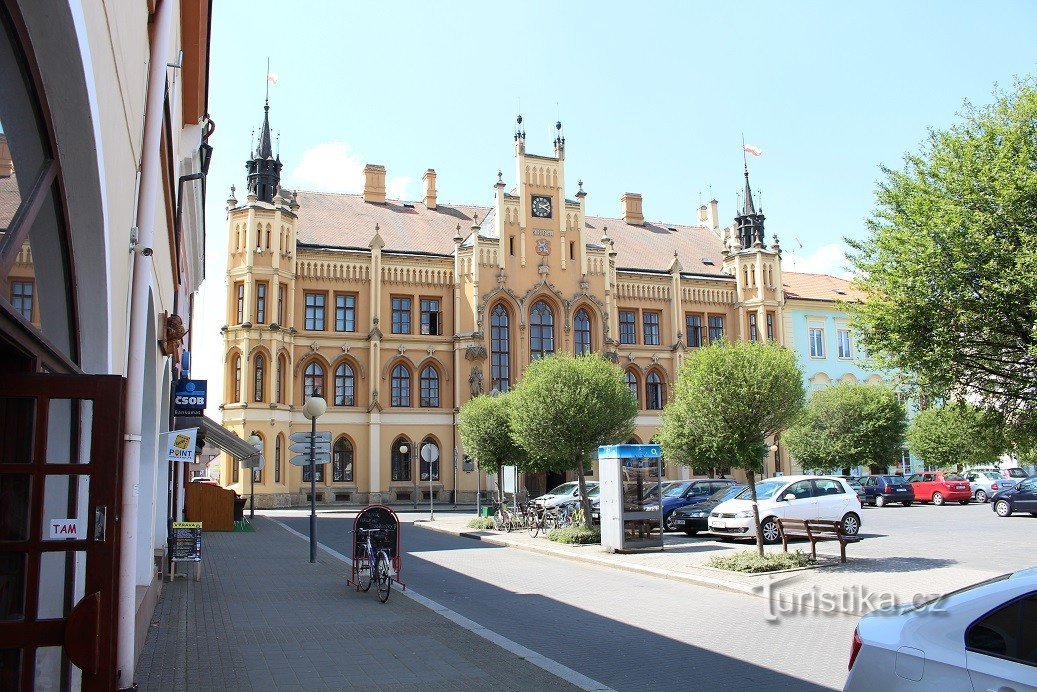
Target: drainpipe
<point>147,198</point>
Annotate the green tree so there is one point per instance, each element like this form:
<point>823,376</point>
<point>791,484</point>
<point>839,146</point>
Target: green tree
<point>956,435</point>
<point>565,407</point>
<point>484,425</point>
<point>729,399</point>
<point>950,263</point>
<point>847,425</point>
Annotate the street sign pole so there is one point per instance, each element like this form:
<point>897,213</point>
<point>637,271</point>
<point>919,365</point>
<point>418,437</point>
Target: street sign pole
<point>313,491</point>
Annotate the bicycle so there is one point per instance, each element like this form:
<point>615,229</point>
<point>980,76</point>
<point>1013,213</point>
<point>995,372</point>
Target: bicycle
<point>374,566</point>
<point>503,518</point>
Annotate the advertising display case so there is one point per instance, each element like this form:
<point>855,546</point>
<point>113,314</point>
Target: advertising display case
<point>630,476</point>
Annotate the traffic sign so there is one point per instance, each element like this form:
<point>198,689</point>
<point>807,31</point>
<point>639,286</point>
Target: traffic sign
<point>304,459</point>
<point>305,437</point>
<point>320,447</point>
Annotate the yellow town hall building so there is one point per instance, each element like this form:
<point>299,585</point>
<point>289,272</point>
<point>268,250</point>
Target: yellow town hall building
<point>398,312</point>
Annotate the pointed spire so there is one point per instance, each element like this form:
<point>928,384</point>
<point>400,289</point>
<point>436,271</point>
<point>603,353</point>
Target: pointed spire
<point>376,241</point>
<point>675,265</point>
<point>264,171</point>
<point>264,150</point>
<point>748,207</point>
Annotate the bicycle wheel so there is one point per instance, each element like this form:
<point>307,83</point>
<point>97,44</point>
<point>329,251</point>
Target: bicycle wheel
<point>534,525</point>
<point>365,573</point>
<point>506,519</point>
<point>384,577</point>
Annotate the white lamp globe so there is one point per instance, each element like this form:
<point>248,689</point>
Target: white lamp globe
<point>314,407</point>
<point>403,449</point>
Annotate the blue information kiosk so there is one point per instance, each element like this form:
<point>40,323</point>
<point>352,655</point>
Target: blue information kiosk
<point>630,477</point>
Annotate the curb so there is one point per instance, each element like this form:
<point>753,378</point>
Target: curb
<point>697,580</point>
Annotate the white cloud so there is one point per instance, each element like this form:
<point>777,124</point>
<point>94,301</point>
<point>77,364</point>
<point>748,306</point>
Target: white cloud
<point>827,259</point>
<point>335,167</point>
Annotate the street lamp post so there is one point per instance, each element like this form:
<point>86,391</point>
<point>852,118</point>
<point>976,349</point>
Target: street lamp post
<point>313,409</point>
<point>256,442</point>
<point>415,472</point>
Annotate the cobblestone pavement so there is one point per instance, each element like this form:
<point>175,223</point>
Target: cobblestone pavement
<point>264,618</point>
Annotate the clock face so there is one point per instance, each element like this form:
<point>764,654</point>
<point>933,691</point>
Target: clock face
<point>541,207</point>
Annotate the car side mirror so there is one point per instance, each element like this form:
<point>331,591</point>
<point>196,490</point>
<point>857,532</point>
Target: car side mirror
<point>789,497</point>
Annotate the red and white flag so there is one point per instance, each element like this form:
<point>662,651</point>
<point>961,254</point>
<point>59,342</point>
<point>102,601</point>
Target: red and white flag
<point>272,78</point>
<point>750,149</point>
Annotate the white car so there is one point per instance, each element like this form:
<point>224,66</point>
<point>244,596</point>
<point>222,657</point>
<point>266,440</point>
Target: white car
<point>979,638</point>
<point>563,493</point>
<point>788,497</point>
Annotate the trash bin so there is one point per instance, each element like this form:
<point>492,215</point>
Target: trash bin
<point>239,509</point>
<point>486,511</point>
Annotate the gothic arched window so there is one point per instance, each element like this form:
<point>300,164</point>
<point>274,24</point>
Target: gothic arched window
<point>500,350</point>
<point>429,387</point>
<point>541,330</point>
<point>654,391</point>
<point>312,381</point>
<point>342,461</point>
<point>631,379</point>
<point>429,448</point>
<point>345,385</point>
<point>582,332</point>
<point>400,393</point>
<point>260,378</point>
<point>236,382</point>
<point>400,455</point>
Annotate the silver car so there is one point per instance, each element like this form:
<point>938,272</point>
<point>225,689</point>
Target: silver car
<point>986,484</point>
<point>979,638</point>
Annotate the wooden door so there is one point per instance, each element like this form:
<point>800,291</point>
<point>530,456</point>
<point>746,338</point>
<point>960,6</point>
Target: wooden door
<point>60,453</point>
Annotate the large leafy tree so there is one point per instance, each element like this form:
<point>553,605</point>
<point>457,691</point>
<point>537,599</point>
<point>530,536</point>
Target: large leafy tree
<point>484,425</point>
<point>847,425</point>
<point>950,264</point>
<point>956,435</point>
<point>565,407</point>
<point>729,399</point>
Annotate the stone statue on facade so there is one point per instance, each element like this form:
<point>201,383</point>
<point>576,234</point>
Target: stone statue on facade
<point>475,381</point>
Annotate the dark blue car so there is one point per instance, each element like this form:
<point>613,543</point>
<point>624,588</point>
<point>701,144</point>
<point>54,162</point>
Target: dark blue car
<point>683,493</point>
<point>885,490</point>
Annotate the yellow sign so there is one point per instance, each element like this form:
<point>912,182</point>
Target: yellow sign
<point>187,524</point>
<point>181,441</point>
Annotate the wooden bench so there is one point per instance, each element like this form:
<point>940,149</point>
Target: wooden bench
<point>815,530</point>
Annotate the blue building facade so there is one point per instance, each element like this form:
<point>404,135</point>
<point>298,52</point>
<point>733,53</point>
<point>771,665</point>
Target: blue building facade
<point>817,328</point>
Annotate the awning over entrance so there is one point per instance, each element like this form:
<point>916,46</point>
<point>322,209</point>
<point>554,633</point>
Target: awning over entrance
<point>215,435</point>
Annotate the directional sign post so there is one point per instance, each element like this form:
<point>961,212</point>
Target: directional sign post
<point>304,459</point>
<point>318,447</point>
<point>305,437</point>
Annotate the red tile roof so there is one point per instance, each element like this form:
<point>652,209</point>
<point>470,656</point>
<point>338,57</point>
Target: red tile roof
<point>345,220</point>
<point>818,287</point>
<point>10,198</point>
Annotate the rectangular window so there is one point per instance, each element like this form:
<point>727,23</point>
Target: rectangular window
<point>431,317</point>
<point>401,315</point>
<point>572,250</point>
<point>650,322</point>
<point>716,328</point>
<point>627,327</point>
<point>754,333</point>
<point>693,327</point>
<point>817,342</point>
<point>240,290</point>
<point>280,304</point>
<point>511,245</point>
<point>844,344</point>
<point>770,326</point>
<point>315,311</point>
<point>345,312</point>
<point>235,474</point>
<point>260,303</point>
<point>21,298</point>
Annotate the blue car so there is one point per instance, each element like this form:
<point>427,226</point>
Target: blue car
<point>683,493</point>
<point>886,490</point>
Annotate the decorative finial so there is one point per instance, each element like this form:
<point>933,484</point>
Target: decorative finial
<point>558,126</point>
<point>519,119</point>
<point>500,177</point>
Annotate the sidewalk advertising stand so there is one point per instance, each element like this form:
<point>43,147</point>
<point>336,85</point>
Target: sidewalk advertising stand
<point>630,476</point>
<point>187,547</point>
<point>388,539</point>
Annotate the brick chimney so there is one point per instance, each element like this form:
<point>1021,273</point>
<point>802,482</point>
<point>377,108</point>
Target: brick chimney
<point>6,164</point>
<point>632,209</point>
<point>374,183</point>
<point>429,179</point>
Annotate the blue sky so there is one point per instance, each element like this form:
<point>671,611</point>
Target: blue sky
<point>654,98</point>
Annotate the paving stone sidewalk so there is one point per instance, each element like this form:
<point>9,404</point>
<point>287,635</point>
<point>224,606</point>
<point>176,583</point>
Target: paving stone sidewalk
<point>871,578</point>
<point>264,618</point>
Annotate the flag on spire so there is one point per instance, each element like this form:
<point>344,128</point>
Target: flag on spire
<point>750,149</point>
<point>271,77</point>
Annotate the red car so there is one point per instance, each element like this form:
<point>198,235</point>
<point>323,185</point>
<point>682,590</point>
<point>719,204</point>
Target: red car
<point>939,487</point>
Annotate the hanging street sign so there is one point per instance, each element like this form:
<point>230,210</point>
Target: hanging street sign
<point>304,459</point>
<point>305,437</point>
<point>304,447</point>
<point>189,397</point>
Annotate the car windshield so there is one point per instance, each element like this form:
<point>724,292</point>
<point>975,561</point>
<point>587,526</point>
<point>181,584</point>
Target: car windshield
<point>1017,473</point>
<point>593,492</point>
<point>563,489</point>
<point>676,489</point>
<point>725,493</point>
<point>764,490</point>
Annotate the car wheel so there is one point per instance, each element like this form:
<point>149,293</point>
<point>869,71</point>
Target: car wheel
<point>908,503</point>
<point>880,501</point>
<point>770,530</point>
<point>1003,508</point>
<point>690,532</point>
<point>981,496</point>
<point>668,521</point>
<point>851,524</point>
<point>938,499</point>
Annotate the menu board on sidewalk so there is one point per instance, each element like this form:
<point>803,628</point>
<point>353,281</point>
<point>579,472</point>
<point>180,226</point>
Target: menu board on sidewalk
<point>187,541</point>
